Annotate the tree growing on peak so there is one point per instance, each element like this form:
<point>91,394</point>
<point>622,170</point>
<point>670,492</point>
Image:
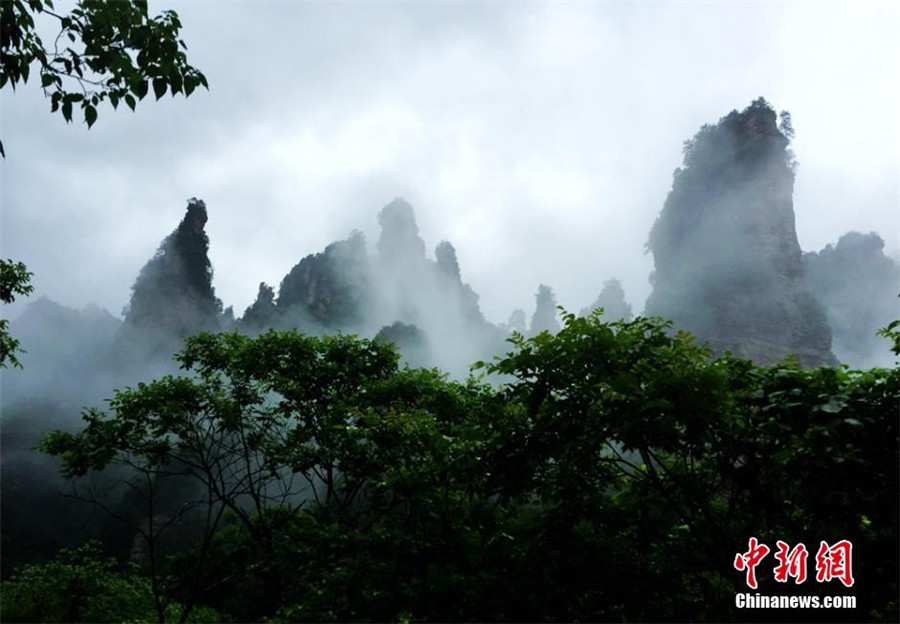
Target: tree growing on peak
<point>786,125</point>
<point>727,260</point>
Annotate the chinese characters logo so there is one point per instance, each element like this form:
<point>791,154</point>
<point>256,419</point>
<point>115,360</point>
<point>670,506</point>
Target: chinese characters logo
<point>832,562</point>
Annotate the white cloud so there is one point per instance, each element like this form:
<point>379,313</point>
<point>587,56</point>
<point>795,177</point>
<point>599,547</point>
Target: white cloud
<point>539,138</point>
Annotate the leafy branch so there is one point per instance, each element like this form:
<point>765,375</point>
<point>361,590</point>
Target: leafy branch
<point>118,53</point>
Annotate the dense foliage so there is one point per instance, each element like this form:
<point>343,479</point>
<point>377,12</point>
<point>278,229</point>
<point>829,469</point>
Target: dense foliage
<point>103,51</point>
<point>613,477</point>
<point>15,280</point>
<point>82,585</point>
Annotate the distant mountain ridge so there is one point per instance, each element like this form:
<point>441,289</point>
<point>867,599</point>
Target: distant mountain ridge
<point>728,268</point>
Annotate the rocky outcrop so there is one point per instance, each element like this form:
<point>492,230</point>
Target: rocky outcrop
<point>544,318</point>
<point>450,282</point>
<point>516,322</point>
<point>173,295</point>
<point>345,288</point>
<point>429,294</point>
<point>263,313</point>
<point>409,340</point>
<point>329,287</point>
<point>728,265</point>
<point>858,286</point>
<point>612,300</point>
<point>399,242</point>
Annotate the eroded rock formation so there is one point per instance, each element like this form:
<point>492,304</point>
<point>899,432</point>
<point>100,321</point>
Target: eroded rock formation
<point>728,266</point>
<point>173,295</point>
<point>330,287</point>
<point>544,318</point>
<point>612,300</point>
<point>858,286</point>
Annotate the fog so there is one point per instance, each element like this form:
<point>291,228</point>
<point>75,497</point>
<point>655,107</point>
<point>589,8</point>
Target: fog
<point>439,175</point>
<point>539,138</point>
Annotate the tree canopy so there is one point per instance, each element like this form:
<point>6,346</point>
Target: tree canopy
<point>104,51</point>
<point>613,477</point>
<point>15,279</point>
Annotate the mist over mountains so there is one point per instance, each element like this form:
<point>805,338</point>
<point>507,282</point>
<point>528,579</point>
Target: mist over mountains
<point>728,268</point>
<point>728,263</point>
<point>857,285</point>
<point>348,288</point>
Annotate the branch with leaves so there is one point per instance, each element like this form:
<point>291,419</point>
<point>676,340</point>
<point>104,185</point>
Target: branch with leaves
<point>105,51</point>
<point>14,280</point>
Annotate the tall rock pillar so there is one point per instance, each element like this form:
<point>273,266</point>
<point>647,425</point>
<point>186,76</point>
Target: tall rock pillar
<point>728,266</point>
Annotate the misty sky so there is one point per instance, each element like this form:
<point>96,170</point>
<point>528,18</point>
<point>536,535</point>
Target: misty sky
<point>540,139</point>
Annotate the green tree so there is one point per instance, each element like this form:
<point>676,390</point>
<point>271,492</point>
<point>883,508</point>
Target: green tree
<point>104,51</point>
<point>649,450</point>
<point>892,333</point>
<point>81,585</point>
<point>613,477</point>
<point>14,280</point>
<point>257,415</point>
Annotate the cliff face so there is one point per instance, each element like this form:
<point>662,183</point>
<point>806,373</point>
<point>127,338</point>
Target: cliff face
<point>330,287</point>
<point>544,317</point>
<point>429,294</point>
<point>262,314</point>
<point>858,286</point>
<point>728,266</point>
<point>612,300</point>
<point>173,295</point>
<point>347,288</point>
<point>405,279</point>
<point>449,279</point>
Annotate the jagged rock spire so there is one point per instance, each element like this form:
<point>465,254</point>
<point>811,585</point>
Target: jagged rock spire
<point>400,240</point>
<point>445,254</point>
<point>173,293</point>
<point>612,300</point>
<point>544,318</point>
<point>262,313</point>
<point>727,261</point>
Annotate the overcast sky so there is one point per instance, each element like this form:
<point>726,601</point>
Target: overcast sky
<point>540,139</point>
